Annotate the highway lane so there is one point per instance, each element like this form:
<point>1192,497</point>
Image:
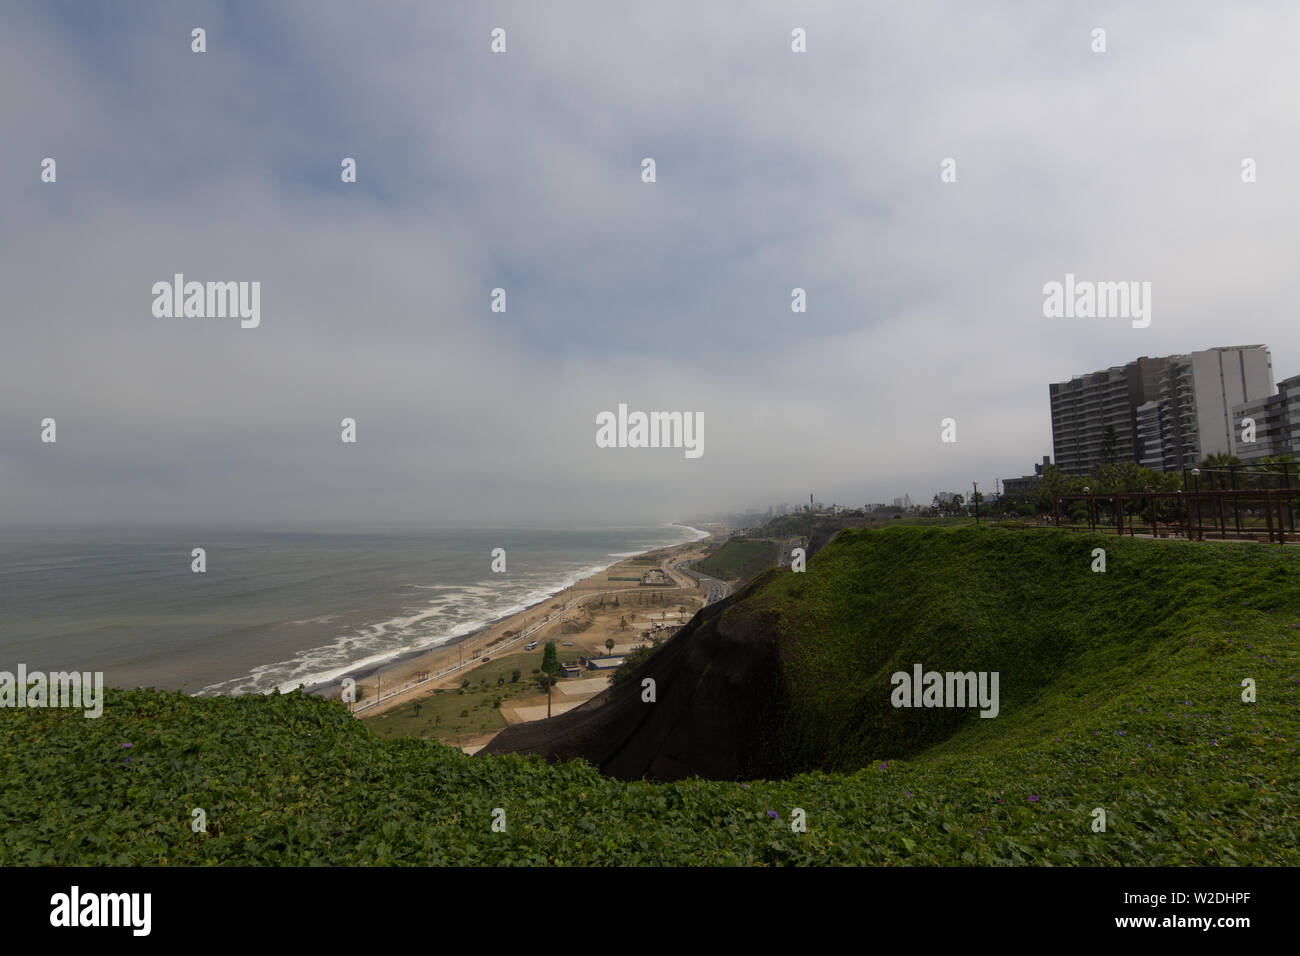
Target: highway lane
<point>715,590</point>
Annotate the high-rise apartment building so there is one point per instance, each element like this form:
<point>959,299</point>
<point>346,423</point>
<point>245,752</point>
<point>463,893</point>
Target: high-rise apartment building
<point>1163,413</point>
<point>1194,417</point>
<point>1277,423</point>
<point>1094,416</point>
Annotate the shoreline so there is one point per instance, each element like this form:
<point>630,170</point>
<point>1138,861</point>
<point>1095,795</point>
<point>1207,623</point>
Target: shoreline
<point>422,671</point>
<point>436,657</point>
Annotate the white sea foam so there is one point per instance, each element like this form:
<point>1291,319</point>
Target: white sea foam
<point>463,610</point>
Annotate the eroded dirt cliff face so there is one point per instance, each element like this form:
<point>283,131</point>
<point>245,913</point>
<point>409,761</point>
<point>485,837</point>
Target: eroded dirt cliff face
<point>717,692</point>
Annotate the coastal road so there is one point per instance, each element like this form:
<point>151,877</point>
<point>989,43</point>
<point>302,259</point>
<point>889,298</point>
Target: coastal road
<point>715,590</point>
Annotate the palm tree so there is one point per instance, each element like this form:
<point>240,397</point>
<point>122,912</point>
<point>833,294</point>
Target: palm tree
<point>609,644</point>
<point>1220,466</point>
<point>547,681</point>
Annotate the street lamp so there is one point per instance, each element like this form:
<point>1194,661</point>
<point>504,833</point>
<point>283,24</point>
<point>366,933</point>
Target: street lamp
<point>1088,491</point>
<point>1196,493</point>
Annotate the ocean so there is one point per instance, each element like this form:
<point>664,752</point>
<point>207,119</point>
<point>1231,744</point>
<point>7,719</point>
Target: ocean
<point>274,609</point>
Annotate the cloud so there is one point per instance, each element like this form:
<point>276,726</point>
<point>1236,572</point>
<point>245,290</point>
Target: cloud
<point>522,171</point>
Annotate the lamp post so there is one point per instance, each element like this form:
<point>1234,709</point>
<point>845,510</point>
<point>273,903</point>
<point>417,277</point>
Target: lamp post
<point>1088,491</point>
<point>1196,493</point>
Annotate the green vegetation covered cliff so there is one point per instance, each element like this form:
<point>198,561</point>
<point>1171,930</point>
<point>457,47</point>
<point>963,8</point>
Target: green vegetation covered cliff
<point>1118,691</point>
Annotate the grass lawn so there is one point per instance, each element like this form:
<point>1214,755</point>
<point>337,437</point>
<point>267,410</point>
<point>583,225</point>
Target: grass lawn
<point>453,714</point>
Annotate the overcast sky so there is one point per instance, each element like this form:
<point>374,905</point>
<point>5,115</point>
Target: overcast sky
<point>522,170</point>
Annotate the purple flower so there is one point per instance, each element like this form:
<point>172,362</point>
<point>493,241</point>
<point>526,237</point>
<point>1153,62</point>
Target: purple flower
<point>126,746</point>
<point>882,766</point>
<point>773,814</point>
<point>907,793</point>
<point>1120,732</point>
<point>745,785</point>
<point>1033,799</point>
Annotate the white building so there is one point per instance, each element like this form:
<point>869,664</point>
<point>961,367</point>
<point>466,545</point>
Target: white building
<point>1194,415</point>
<point>1277,423</point>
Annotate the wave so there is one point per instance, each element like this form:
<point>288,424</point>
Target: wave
<point>463,610</point>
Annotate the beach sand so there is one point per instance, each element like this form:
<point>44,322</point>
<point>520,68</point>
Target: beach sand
<point>574,615</point>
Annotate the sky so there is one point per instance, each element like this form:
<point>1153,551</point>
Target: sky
<point>522,170</point>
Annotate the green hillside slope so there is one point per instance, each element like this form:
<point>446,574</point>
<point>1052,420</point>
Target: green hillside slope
<point>739,559</point>
<point>1119,692</point>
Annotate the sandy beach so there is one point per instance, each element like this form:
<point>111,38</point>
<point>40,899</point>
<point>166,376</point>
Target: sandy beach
<point>612,604</point>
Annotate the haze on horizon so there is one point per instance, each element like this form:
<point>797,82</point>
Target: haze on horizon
<point>523,171</point>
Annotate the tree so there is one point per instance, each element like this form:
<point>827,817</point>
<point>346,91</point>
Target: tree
<point>622,624</point>
<point>546,682</point>
<point>550,659</point>
<point>1220,467</point>
<point>418,707</point>
<point>1108,442</point>
<point>632,662</point>
<point>609,644</point>
<point>514,677</point>
<point>550,672</point>
<point>1054,484</point>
